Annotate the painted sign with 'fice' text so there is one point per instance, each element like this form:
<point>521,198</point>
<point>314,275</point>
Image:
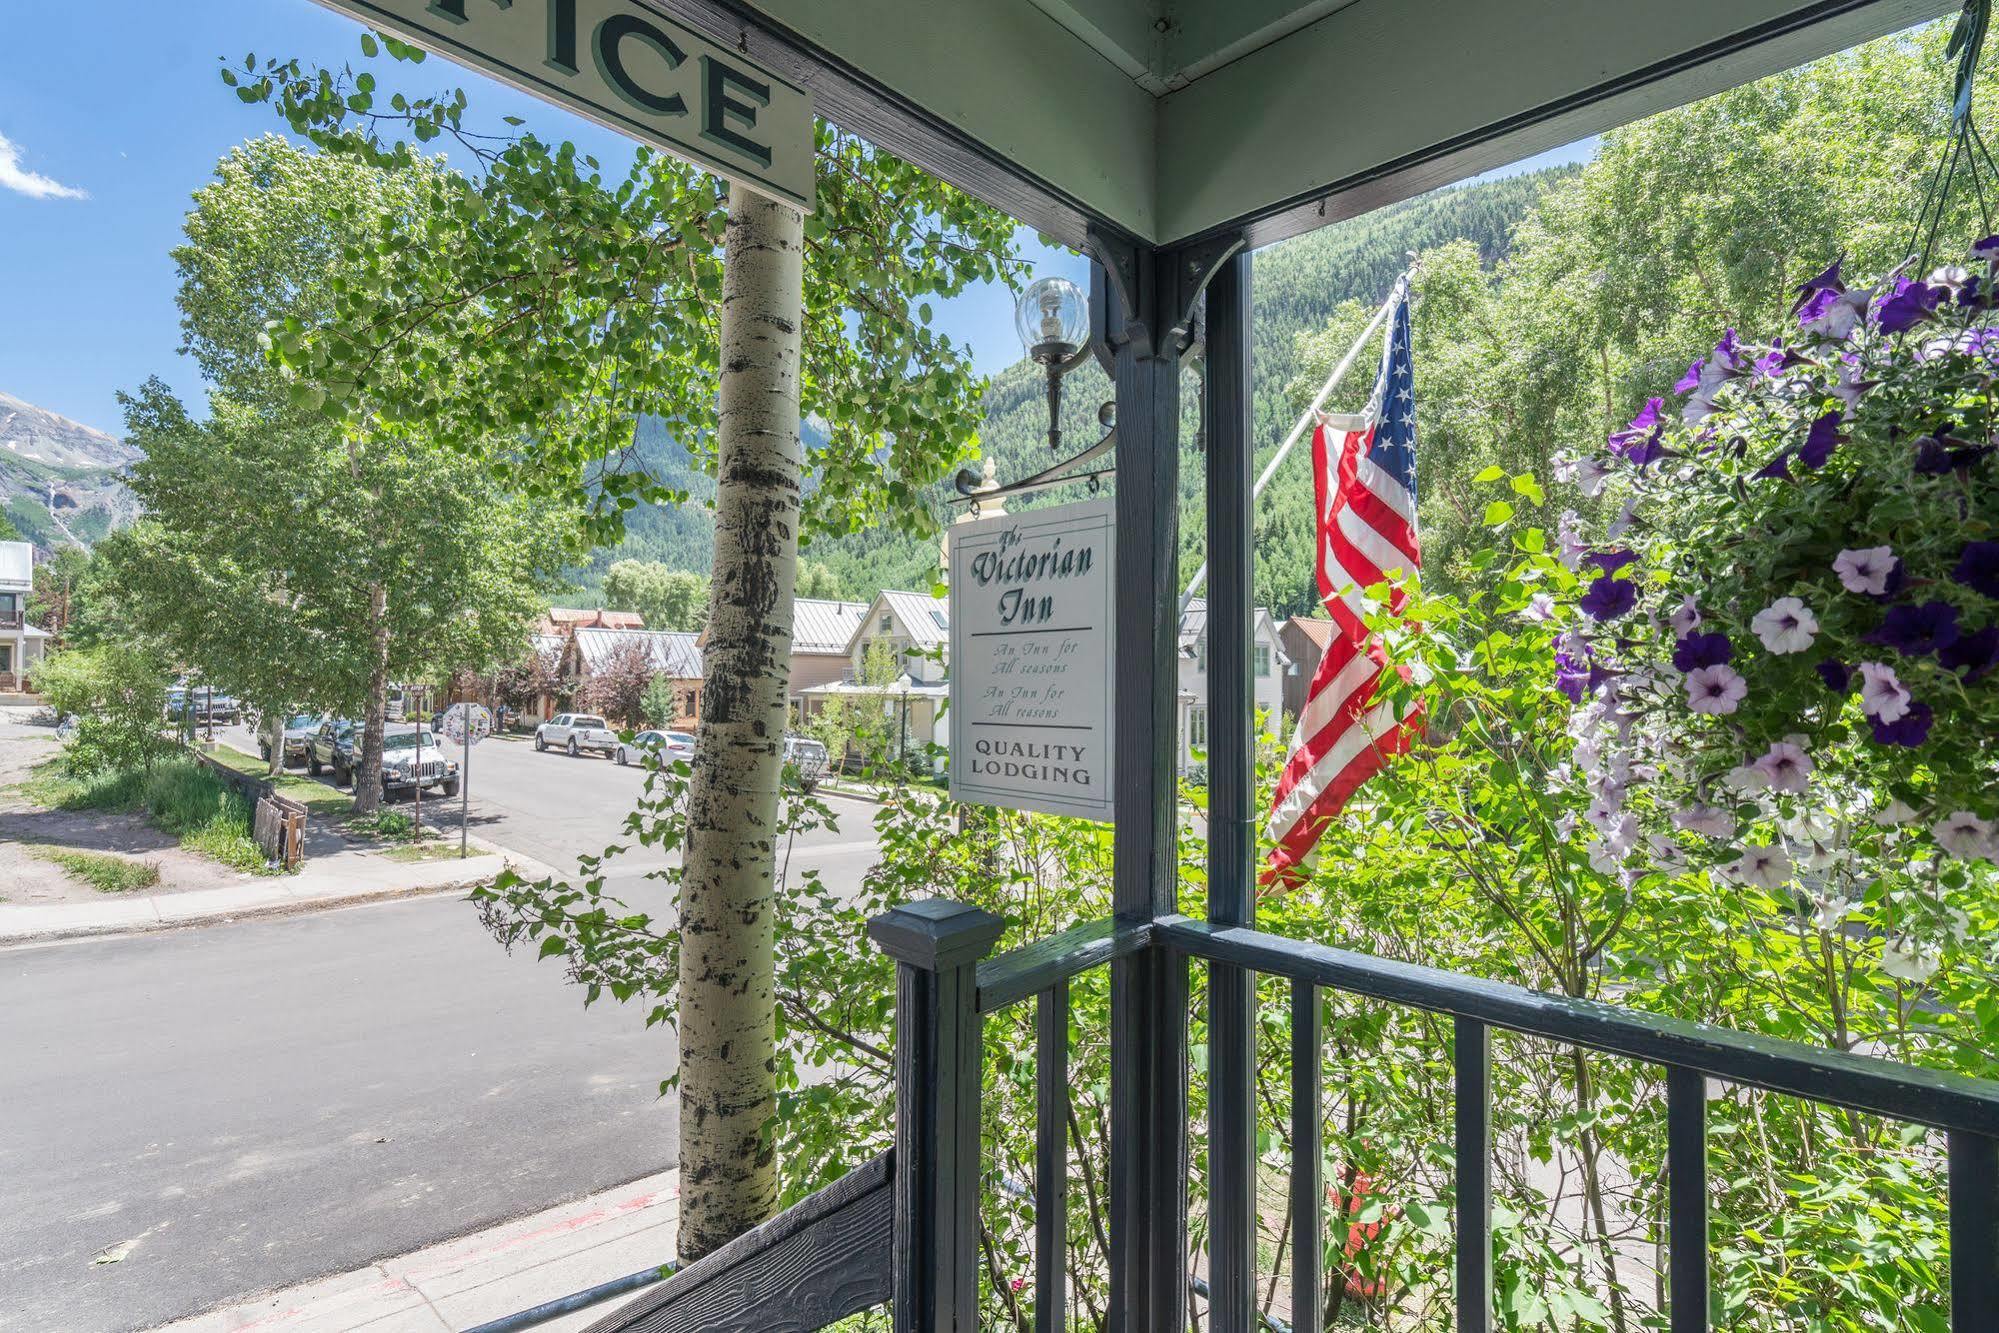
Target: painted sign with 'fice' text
<point>626,67</point>
<point>1031,664</point>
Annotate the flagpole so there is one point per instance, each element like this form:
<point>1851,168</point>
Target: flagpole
<point>1298,431</point>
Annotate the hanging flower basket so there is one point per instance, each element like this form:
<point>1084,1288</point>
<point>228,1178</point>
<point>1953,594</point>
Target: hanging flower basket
<point>1793,614</point>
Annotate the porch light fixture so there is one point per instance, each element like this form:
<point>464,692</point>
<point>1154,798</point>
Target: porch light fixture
<point>1053,320</point>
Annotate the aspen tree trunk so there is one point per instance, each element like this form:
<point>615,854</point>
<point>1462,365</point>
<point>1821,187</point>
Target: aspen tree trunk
<point>728,1038</point>
<point>368,755</point>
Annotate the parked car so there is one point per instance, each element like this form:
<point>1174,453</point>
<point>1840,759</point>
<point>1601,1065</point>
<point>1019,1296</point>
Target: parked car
<point>413,759</point>
<point>669,745</point>
<point>333,747</point>
<point>202,704</point>
<point>576,732</point>
<point>299,729</point>
<point>807,758</point>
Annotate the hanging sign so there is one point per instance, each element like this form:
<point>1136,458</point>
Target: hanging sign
<point>1031,687</point>
<point>623,65</point>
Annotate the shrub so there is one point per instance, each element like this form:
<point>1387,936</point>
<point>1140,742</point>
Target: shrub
<point>117,695</point>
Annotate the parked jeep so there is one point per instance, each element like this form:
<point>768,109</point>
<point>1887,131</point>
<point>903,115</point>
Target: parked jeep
<point>576,732</point>
<point>413,759</point>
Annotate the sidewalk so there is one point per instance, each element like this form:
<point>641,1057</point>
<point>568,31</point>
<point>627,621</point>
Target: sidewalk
<point>460,1283</point>
<point>342,880</point>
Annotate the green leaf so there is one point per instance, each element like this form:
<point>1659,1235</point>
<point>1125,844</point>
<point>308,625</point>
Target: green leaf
<point>1493,473</point>
<point>1497,513</point>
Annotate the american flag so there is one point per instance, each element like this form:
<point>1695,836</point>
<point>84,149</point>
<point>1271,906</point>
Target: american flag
<point>1364,471</point>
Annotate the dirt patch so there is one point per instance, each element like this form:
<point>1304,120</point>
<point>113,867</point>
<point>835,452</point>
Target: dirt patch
<point>27,879</point>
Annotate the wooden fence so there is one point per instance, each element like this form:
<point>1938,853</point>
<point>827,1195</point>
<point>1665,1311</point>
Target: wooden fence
<point>278,823</point>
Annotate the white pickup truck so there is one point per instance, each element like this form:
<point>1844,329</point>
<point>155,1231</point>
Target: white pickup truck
<point>576,732</point>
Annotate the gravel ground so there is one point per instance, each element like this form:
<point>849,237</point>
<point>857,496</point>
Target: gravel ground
<point>27,879</point>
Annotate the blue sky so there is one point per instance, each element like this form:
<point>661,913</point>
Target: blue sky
<point>96,172</point>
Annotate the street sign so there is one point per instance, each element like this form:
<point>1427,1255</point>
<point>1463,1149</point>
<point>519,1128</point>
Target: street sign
<point>468,724</point>
<point>1031,662</point>
<point>625,66</point>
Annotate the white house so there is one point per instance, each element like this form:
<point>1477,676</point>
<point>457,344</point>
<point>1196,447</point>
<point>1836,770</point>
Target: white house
<point>21,644</point>
<point>1268,666</point>
<point>916,627</point>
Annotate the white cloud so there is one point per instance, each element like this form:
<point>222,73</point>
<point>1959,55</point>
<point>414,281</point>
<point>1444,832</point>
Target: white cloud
<point>15,177</point>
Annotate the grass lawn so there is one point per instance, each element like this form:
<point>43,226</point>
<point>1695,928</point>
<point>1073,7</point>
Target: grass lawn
<point>106,874</point>
<point>321,801</point>
<point>176,795</point>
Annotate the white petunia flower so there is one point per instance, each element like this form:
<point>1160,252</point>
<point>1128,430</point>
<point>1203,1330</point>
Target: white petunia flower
<point>1908,960</point>
<point>1882,694</point>
<point>1894,813</point>
<point>1764,867</point>
<point>1540,608</point>
<point>1785,766</point>
<point>1686,619</point>
<point>1710,820</point>
<point>1963,834</point>
<point>1717,690</point>
<point>1865,570</point>
<point>1787,625</point>
<point>1591,474</point>
<point>1747,779</point>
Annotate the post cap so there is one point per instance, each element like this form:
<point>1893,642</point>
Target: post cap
<point>936,933</point>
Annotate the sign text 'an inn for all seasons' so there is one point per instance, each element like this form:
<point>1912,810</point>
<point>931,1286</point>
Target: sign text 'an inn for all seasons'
<point>630,69</point>
<point>1031,688</point>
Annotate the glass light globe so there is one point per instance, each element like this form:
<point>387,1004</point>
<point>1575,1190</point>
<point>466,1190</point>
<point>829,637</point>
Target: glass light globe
<point>1052,313</point>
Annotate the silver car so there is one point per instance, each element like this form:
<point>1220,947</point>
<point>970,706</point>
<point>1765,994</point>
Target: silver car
<point>668,745</point>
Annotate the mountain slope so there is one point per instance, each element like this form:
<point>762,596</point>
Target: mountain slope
<point>60,481</point>
<point>1295,287</point>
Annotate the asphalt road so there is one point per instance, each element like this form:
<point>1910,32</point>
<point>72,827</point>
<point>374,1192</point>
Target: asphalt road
<point>191,1117</point>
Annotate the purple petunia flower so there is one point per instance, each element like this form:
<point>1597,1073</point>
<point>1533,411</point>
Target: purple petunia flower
<point>1773,360</point>
<point>1985,250</point>
<point>1699,650</point>
<point>1838,677</point>
<point>1578,674</point>
<point>1820,441</point>
<point>1932,459</point>
<point>1690,381</point>
<point>1613,559</point>
<point>1908,304</point>
<point>1639,442</point>
<point>1978,567</point>
<point>1609,597</point>
<point>1914,630</point>
<point>1814,308</point>
<point>1778,467</point>
<point>1909,730</point>
<point>1974,654</point>
<point>1826,281</point>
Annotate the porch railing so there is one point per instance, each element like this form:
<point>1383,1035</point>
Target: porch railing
<point>944,992</point>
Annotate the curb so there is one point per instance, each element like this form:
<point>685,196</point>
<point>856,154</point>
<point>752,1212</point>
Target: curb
<point>111,930</point>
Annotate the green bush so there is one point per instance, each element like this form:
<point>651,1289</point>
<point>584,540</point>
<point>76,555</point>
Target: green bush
<point>178,796</point>
<point>118,696</point>
<point>106,874</point>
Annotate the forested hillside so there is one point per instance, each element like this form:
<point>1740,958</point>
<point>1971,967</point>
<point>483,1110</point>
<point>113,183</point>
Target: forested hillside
<point>1298,287</point>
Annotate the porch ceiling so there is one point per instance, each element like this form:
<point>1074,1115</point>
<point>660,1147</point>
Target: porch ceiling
<point>1172,118</point>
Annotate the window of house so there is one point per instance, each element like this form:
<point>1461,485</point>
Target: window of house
<point>1262,659</point>
<point>887,624</point>
<point>1197,727</point>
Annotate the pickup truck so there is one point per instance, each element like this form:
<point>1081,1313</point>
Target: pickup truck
<point>576,732</point>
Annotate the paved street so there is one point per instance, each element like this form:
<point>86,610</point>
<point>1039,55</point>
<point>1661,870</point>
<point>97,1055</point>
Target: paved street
<point>555,808</point>
<point>191,1117</point>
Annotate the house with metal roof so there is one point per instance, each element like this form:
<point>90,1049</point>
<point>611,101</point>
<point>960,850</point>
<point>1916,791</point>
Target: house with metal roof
<point>674,655</point>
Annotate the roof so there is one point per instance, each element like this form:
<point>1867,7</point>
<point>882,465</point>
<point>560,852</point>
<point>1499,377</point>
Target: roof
<point>561,617</point>
<point>1316,628</point>
<point>17,562</point>
<point>926,619</point>
<point>1202,111</point>
<point>1194,625</point>
<point>548,643</point>
<point>672,653</point>
<point>825,627</point>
